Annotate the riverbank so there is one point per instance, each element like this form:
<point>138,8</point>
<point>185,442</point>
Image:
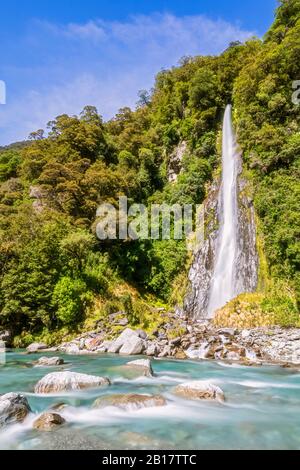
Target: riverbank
<point>185,340</point>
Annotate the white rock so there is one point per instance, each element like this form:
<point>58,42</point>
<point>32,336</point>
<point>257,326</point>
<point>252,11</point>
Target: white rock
<point>72,349</point>
<point>152,350</point>
<point>121,340</point>
<point>200,390</point>
<point>134,345</point>
<point>68,381</point>
<point>35,347</point>
<point>246,334</point>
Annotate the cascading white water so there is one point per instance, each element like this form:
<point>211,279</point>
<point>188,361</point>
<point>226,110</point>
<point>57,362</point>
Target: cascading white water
<point>224,274</point>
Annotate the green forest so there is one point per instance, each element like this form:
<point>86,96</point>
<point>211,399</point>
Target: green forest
<point>57,278</point>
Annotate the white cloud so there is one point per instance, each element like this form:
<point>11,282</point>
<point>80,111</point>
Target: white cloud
<point>111,62</point>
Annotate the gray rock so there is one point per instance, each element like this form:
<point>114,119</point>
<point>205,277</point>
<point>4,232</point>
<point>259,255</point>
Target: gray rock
<point>13,408</point>
<point>166,352</point>
<point>49,362</point>
<point>227,331</point>
<point>104,347</point>
<point>35,347</point>
<point>68,381</point>
<point>142,334</point>
<point>152,350</point>
<point>48,422</point>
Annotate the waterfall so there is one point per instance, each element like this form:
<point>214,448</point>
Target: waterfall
<point>224,274</point>
<point>226,264</point>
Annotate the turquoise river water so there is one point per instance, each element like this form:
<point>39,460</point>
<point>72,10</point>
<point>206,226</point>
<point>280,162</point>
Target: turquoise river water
<point>261,410</point>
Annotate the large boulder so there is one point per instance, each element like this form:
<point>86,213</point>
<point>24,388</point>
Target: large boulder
<point>49,362</point>
<point>130,401</point>
<point>48,422</point>
<point>35,347</point>
<point>124,337</point>
<point>198,390</point>
<point>141,366</point>
<point>133,346</point>
<point>13,408</point>
<point>68,381</point>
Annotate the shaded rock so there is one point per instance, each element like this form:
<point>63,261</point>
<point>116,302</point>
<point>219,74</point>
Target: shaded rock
<point>142,334</point>
<point>35,347</point>
<point>49,362</point>
<point>130,402</point>
<point>166,352</point>
<point>13,408</point>
<point>133,346</point>
<point>180,354</point>
<point>6,337</point>
<point>198,390</point>
<point>48,422</point>
<point>68,381</point>
<point>104,347</point>
<point>121,340</point>
<point>123,322</point>
<point>143,366</point>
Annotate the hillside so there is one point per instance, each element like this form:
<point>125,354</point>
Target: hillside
<point>57,278</point>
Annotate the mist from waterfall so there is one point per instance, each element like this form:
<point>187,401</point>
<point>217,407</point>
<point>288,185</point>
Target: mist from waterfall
<point>224,274</point>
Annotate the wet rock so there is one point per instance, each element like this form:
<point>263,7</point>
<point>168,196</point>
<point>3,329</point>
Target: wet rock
<point>198,390</point>
<point>133,346</point>
<point>104,347</point>
<point>49,362</point>
<point>68,381</point>
<point>13,408</point>
<point>48,422</point>
<point>130,401</point>
<point>143,366</point>
<point>35,347</point>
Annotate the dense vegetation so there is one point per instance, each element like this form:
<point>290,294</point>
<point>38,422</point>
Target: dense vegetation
<point>55,274</point>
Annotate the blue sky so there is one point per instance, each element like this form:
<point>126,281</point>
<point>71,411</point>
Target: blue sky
<point>58,56</point>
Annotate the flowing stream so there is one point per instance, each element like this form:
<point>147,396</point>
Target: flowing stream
<point>260,412</point>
